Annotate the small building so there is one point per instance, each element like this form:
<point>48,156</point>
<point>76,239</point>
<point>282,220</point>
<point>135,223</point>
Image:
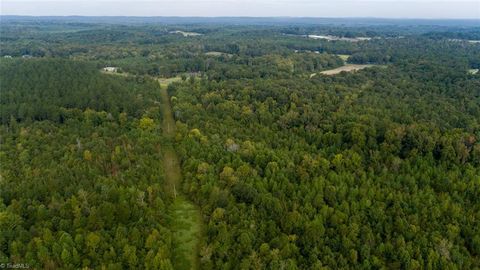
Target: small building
<point>27,56</point>
<point>110,69</point>
<point>7,56</point>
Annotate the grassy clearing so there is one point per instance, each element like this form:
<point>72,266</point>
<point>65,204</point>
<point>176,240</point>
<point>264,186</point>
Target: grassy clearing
<point>164,82</point>
<point>186,234</point>
<point>168,121</point>
<point>186,222</point>
<point>173,174</point>
<point>344,57</point>
<point>185,218</point>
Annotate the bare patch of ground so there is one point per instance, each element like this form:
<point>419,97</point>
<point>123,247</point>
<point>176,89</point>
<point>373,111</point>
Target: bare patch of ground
<point>473,71</point>
<point>218,54</point>
<point>346,68</point>
<point>333,38</point>
<point>186,34</point>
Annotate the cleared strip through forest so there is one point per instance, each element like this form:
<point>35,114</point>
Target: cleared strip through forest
<point>186,221</point>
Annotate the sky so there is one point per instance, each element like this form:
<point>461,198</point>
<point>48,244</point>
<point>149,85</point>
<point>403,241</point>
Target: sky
<point>459,9</point>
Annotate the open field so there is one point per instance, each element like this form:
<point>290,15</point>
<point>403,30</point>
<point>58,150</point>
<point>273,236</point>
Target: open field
<point>464,40</point>
<point>218,54</point>
<point>473,71</point>
<point>186,34</point>
<point>346,68</point>
<point>334,38</point>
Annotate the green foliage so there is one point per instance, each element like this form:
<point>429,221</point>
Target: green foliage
<point>38,89</point>
<point>86,190</point>
<point>377,169</point>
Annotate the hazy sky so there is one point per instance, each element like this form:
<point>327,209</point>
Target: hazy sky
<point>254,8</point>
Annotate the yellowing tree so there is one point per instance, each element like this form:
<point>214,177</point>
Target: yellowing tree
<point>146,123</point>
<point>87,155</point>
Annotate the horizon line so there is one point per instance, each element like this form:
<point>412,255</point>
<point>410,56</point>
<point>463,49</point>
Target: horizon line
<point>249,17</point>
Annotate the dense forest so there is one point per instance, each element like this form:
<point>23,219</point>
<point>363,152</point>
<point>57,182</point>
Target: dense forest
<point>81,184</point>
<point>336,173</point>
<point>288,168</point>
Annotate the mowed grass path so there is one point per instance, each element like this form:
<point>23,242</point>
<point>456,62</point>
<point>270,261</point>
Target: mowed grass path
<point>186,222</point>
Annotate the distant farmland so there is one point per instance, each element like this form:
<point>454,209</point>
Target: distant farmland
<point>346,68</point>
<point>186,34</point>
